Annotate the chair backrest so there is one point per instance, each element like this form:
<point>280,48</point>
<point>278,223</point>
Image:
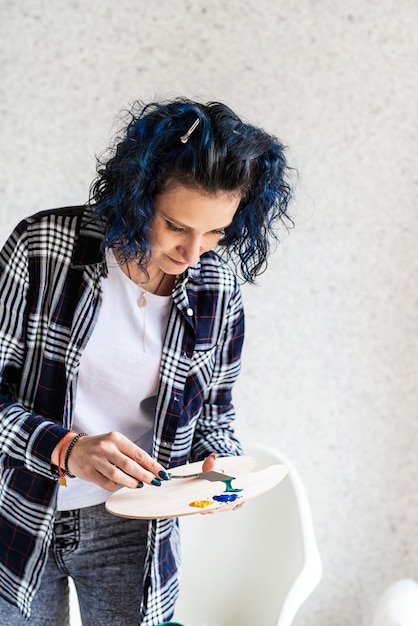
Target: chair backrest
<point>398,605</point>
<point>252,566</point>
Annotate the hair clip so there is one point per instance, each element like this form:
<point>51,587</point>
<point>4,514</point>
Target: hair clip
<point>185,138</point>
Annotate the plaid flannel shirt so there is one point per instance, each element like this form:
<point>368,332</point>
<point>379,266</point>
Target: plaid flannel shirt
<point>50,273</point>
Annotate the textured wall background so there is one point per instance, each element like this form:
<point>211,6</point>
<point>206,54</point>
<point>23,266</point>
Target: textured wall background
<point>329,373</point>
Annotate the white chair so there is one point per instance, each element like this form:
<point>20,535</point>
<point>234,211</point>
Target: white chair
<point>75,617</point>
<point>254,566</point>
<point>398,606</point>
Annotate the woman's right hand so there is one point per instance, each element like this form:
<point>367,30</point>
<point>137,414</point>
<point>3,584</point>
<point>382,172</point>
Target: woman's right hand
<point>110,460</point>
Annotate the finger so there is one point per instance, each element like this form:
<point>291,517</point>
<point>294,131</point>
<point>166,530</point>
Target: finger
<point>131,461</point>
<point>109,476</point>
<point>209,463</point>
<point>104,482</point>
<point>128,473</point>
<point>135,459</point>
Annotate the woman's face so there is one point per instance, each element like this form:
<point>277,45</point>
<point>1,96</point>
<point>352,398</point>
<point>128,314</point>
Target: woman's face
<point>188,223</point>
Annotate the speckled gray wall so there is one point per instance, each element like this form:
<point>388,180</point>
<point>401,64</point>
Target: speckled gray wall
<point>329,371</point>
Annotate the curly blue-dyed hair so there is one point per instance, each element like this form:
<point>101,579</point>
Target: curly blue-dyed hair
<point>222,154</point>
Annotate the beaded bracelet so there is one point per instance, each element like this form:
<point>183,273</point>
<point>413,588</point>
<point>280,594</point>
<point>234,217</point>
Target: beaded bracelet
<point>61,472</point>
<point>67,454</point>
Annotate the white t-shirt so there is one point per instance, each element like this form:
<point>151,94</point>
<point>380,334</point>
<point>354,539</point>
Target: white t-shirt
<point>118,373</point>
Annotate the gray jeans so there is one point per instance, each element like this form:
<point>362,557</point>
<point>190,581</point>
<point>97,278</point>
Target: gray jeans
<point>104,555</point>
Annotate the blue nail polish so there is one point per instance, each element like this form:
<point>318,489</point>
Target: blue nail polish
<point>164,475</point>
<point>156,482</point>
<point>140,484</point>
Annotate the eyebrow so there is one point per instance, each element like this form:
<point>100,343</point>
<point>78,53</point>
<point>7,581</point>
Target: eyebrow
<point>176,223</point>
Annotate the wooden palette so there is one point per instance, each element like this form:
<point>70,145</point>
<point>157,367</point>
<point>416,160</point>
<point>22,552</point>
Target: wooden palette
<point>174,497</point>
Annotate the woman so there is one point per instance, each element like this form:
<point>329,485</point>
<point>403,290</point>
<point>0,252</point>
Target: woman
<point>121,336</point>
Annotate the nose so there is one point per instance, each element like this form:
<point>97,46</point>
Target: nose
<point>191,250</point>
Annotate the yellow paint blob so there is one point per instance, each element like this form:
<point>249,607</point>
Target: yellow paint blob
<point>201,503</point>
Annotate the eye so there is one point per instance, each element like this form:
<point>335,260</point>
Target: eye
<point>173,227</point>
<point>219,233</point>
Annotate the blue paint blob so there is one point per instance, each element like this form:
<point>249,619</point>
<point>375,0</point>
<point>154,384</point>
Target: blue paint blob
<point>226,497</point>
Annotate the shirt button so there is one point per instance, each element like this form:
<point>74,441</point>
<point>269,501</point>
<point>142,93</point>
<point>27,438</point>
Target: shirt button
<point>59,529</point>
<point>189,312</point>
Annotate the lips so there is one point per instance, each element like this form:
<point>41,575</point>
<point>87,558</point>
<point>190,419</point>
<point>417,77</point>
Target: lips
<point>177,262</point>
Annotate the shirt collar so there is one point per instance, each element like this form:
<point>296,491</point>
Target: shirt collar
<point>88,249</point>
<point>193,274</point>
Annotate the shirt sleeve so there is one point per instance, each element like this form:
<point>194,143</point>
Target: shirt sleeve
<point>215,427</point>
<point>26,439</point>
